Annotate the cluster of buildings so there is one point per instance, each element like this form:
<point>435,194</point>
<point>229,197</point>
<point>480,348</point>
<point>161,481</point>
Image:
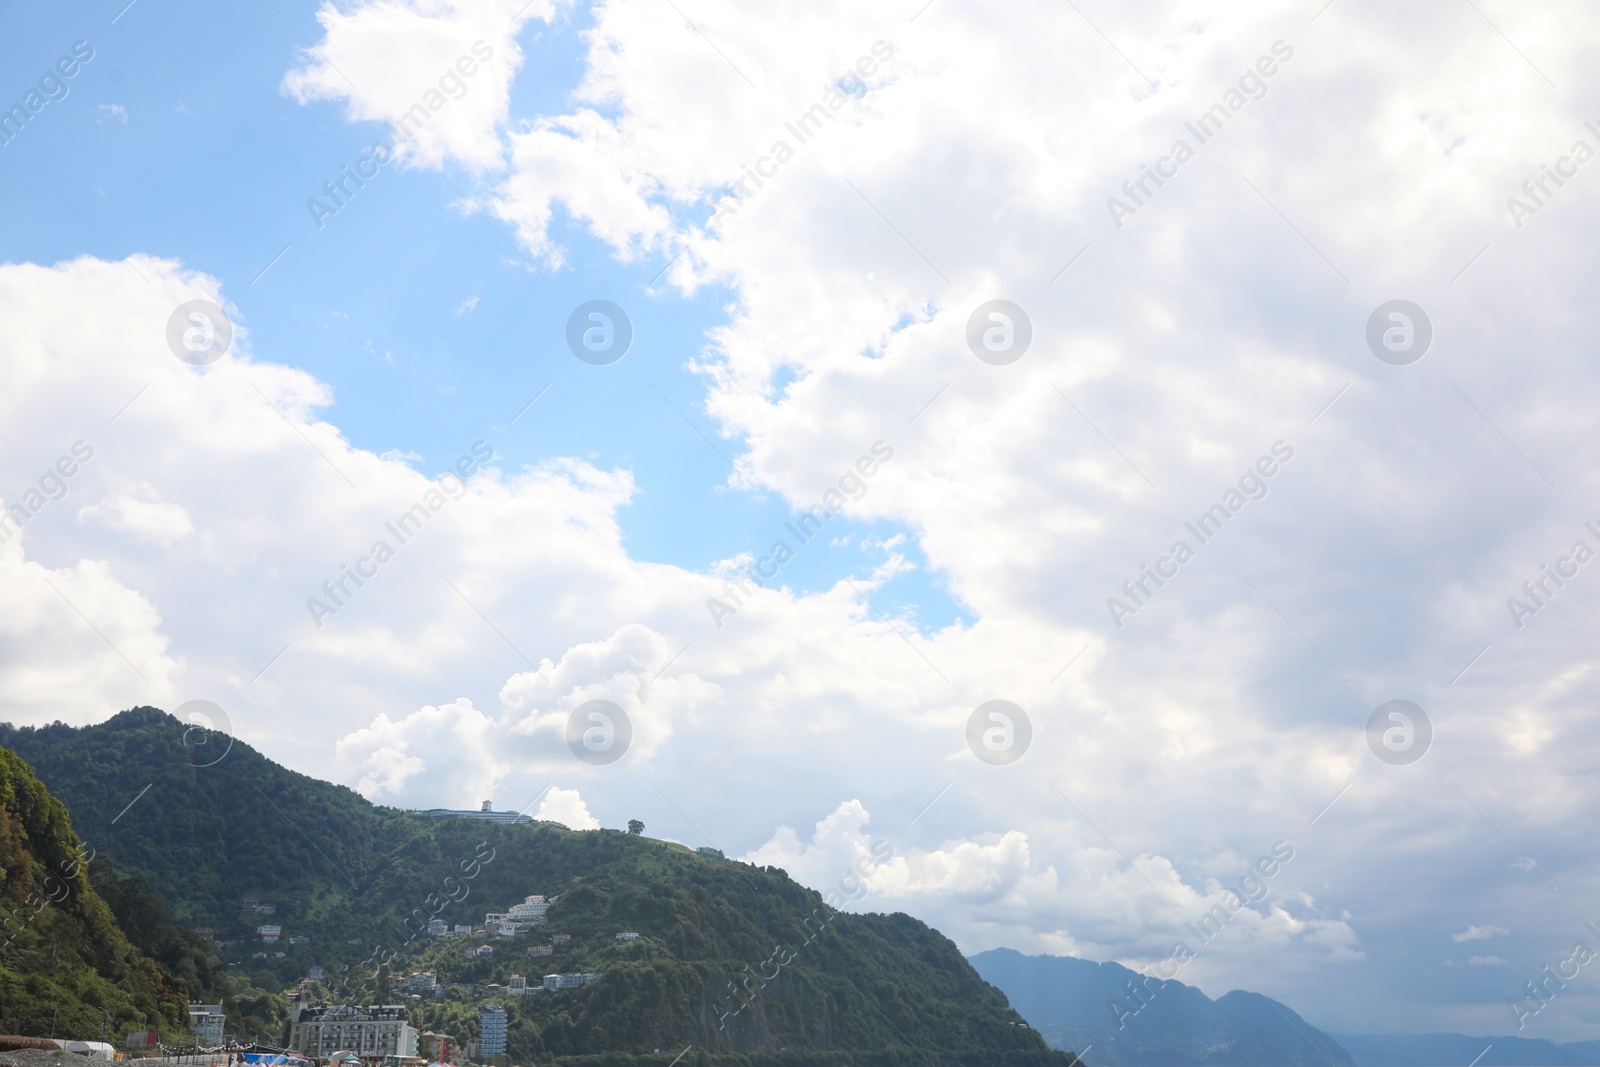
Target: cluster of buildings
<point>519,918</point>
<point>271,934</point>
<point>418,984</point>
<point>426,984</point>
<point>380,1031</point>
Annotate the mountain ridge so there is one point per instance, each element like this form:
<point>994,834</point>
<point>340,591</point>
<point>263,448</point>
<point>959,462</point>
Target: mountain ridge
<point>1120,1018</point>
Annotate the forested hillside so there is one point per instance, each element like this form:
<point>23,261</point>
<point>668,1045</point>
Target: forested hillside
<point>729,958</point>
<point>65,967</point>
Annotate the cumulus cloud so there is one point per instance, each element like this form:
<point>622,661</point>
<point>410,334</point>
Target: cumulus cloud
<point>436,72</point>
<point>382,758</point>
<point>159,522</point>
<point>1087,900</point>
<point>77,641</point>
<point>566,807</point>
<point>1480,933</point>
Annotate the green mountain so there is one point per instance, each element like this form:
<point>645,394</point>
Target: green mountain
<point>65,966</point>
<point>1121,1019</point>
<point>731,959</point>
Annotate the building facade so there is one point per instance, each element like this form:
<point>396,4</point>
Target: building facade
<point>371,1032</point>
<point>206,1021</point>
<point>491,1030</point>
<point>483,814</point>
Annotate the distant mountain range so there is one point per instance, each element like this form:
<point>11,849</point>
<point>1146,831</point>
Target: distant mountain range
<point>1458,1050</point>
<point>1090,1007</point>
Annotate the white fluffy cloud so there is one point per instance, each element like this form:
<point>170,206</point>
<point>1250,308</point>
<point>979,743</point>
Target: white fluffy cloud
<point>565,806</point>
<point>996,890</point>
<point>153,520</point>
<point>438,71</point>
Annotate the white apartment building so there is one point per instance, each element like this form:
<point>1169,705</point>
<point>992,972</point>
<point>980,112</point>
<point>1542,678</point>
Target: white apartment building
<point>371,1032</point>
<point>532,909</point>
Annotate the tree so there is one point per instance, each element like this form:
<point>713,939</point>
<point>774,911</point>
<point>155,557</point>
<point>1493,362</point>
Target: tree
<point>635,827</point>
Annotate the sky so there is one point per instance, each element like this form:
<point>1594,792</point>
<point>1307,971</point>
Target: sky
<point>1198,381</point>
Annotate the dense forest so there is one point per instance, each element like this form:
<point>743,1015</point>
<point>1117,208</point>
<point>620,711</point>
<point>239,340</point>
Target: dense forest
<point>730,958</point>
<point>64,964</point>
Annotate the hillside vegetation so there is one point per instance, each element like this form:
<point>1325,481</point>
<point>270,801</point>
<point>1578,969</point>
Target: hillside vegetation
<point>731,958</point>
<point>65,966</point>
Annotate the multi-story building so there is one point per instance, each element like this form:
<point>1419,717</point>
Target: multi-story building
<point>627,935</point>
<point>517,985</point>
<point>437,1048</point>
<point>530,910</point>
<point>206,1021</point>
<point>569,981</point>
<point>371,1032</point>
<point>270,934</point>
<point>483,814</point>
<point>438,928</point>
<point>491,1030</point>
<point>421,983</point>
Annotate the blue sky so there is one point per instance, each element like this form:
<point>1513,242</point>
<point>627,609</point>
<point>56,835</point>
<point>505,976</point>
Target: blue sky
<point>432,327</point>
